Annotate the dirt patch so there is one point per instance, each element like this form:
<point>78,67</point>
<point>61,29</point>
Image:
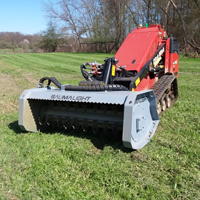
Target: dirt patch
<point>139,156</point>
<point>27,76</point>
<point>12,88</point>
<point>30,79</point>
<point>7,84</point>
<point>9,93</point>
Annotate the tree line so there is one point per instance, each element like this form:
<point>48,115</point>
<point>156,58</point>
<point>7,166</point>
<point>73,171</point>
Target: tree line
<point>109,21</point>
<point>15,40</point>
<point>102,25</point>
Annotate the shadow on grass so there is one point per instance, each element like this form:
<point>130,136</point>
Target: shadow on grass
<point>15,127</point>
<point>99,140</point>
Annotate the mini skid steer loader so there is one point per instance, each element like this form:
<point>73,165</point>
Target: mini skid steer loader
<point>125,95</point>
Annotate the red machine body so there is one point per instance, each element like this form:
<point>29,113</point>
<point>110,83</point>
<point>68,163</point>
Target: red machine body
<point>141,46</point>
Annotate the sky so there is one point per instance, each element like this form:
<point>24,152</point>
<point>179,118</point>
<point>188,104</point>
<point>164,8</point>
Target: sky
<point>24,16</point>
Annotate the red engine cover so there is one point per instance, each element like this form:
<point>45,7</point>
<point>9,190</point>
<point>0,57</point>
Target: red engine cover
<point>139,47</point>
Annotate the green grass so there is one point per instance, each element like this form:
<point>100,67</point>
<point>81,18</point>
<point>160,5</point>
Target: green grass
<point>83,166</point>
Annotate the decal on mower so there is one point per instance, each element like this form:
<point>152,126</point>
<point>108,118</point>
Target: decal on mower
<point>70,98</point>
<point>157,59</point>
<point>141,100</point>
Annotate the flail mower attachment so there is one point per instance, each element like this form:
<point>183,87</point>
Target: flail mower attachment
<point>132,114</point>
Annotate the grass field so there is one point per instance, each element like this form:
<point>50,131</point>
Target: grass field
<point>82,166</point>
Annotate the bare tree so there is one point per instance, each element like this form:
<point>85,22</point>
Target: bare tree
<point>185,34</point>
<point>103,21</point>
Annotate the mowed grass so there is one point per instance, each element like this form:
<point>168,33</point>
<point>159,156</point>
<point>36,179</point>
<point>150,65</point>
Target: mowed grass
<point>83,166</point>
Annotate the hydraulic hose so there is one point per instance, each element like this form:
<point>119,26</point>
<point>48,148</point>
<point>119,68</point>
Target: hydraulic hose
<point>110,87</point>
<point>50,79</point>
<point>86,74</point>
